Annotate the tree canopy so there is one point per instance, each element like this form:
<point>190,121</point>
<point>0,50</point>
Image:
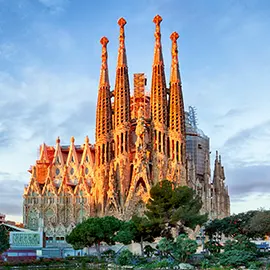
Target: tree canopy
<point>4,239</point>
<point>138,229</point>
<point>95,230</point>
<point>180,249</point>
<point>173,207</point>
<point>252,224</point>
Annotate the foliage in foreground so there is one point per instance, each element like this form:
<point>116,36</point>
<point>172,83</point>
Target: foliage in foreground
<point>4,239</point>
<point>173,207</point>
<point>95,230</point>
<point>237,252</point>
<point>253,224</point>
<point>179,249</point>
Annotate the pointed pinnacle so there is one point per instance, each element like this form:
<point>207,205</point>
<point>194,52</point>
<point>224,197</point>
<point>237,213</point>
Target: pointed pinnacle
<point>122,22</point>
<point>157,20</point>
<point>104,41</point>
<point>174,36</point>
<point>58,140</point>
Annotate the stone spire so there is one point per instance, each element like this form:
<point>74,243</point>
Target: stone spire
<point>104,109</point>
<point>216,167</point>
<point>176,106</point>
<point>121,91</point>
<point>158,88</point>
<point>104,76</point>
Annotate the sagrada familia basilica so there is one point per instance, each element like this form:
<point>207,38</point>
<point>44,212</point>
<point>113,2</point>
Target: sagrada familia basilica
<point>140,140</point>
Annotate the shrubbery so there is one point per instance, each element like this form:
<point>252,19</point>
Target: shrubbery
<point>125,257</point>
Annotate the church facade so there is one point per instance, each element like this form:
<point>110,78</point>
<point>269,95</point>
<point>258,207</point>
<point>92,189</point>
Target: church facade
<point>140,140</point>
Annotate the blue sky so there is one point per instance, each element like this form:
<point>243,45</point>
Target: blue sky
<point>49,72</point>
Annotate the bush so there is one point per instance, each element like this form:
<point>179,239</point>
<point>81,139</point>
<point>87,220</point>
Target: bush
<point>181,249</point>
<point>213,247</point>
<point>255,265</point>
<point>236,258</point>
<point>125,257</point>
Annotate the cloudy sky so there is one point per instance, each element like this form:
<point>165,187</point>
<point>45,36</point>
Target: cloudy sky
<point>49,71</point>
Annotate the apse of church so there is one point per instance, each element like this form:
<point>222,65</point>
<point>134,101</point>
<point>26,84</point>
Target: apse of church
<point>140,140</point>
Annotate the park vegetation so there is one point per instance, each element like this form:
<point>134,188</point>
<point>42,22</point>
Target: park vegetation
<point>4,239</point>
<point>170,213</point>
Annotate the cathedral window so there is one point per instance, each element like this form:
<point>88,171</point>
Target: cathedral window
<point>107,152</point>
<point>177,151</point>
<point>87,159</point>
<point>72,171</point>
<point>122,142</point>
<point>103,154</point>
<point>168,147</point>
<point>57,171</point>
<point>159,141</point>
<point>86,170</point>
<point>57,161</point>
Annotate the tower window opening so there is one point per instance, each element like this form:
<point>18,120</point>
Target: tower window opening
<point>122,142</point>
<point>107,152</point>
<point>126,142</point>
<point>177,151</point>
<point>164,142</point>
<point>168,147</point>
<point>103,154</point>
<point>159,141</point>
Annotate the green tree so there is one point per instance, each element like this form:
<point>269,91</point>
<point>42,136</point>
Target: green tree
<point>179,249</point>
<point>93,231</point>
<point>259,224</point>
<point>4,239</point>
<point>252,224</point>
<point>238,252</point>
<point>173,207</point>
<point>138,229</point>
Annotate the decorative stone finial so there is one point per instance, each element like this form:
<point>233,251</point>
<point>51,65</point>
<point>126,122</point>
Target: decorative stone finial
<point>58,140</point>
<point>122,22</point>
<point>104,41</point>
<point>157,20</point>
<point>174,36</point>
<point>72,139</point>
<point>86,140</point>
<point>104,57</point>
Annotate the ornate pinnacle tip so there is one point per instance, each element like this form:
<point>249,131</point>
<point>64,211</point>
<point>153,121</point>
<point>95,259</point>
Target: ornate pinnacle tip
<point>72,139</point>
<point>122,22</point>
<point>104,41</point>
<point>157,20</point>
<point>86,139</point>
<point>58,140</point>
<point>174,36</point>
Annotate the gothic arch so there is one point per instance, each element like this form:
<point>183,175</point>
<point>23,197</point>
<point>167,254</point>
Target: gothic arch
<point>140,183</point>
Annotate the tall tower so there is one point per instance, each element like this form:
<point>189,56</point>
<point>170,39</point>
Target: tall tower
<point>158,107</point>
<point>176,142</point>
<point>122,118</point>
<point>103,132</point>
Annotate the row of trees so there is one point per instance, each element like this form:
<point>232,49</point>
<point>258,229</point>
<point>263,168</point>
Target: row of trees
<point>253,224</point>
<point>168,208</point>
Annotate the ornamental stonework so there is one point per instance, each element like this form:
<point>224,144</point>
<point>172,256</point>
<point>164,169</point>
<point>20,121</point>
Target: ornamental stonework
<point>140,139</point>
